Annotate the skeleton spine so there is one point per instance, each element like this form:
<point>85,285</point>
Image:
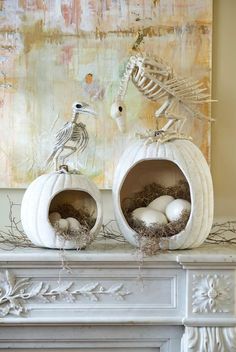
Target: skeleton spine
<point>126,77</point>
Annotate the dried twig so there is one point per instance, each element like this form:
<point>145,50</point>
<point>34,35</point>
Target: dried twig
<point>223,233</point>
<point>109,231</point>
<point>14,236</point>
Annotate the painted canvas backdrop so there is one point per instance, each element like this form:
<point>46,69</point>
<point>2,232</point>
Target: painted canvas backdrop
<point>55,52</point>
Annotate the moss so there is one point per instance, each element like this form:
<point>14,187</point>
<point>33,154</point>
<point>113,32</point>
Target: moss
<point>150,236</point>
<point>87,221</point>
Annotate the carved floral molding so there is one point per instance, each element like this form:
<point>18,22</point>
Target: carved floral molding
<point>212,293</point>
<point>212,339</point>
<point>14,293</point>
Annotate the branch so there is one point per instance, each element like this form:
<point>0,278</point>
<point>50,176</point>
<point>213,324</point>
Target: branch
<point>14,236</point>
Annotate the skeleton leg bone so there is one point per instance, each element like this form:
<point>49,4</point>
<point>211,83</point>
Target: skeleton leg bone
<point>163,111</point>
<point>175,118</point>
<point>72,150</point>
<point>57,156</point>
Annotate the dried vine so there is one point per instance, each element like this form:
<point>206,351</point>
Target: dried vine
<point>109,231</point>
<point>13,236</point>
<point>223,233</point>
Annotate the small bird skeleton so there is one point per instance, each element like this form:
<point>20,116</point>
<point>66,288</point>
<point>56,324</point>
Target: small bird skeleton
<point>72,137</point>
<point>156,80</point>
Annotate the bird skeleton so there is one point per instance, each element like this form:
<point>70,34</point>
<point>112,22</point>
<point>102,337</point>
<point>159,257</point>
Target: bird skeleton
<point>72,137</point>
<point>157,81</point>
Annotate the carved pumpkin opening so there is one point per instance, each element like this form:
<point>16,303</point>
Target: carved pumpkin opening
<point>164,172</point>
<point>78,199</point>
<point>148,180</point>
<point>72,211</point>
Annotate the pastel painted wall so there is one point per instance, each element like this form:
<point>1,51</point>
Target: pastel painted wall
<point>53,53</point>
<point>223,130</point>
<point>224,89</point>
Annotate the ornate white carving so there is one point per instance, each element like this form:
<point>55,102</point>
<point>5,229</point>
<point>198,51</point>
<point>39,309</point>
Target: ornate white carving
<point>207,339</point>
<point>212,293</point>
<point>14,293</point>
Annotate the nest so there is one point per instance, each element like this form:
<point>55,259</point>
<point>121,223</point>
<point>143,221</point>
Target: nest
<point>150,236</point>
<point>83,237</point>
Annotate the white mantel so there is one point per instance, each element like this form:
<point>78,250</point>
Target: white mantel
<point>114,300</point>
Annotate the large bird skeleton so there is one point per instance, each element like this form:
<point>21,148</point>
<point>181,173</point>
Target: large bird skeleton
<point>72,137</point>
<point>157,82</point>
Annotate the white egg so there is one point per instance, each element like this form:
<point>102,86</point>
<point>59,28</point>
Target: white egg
<point>54,217</point>
<point>137,213</point>
<point>174,209</point>
<point>74,224</point>
<point>149,216</point>
<point>161,203</point>
<point>62,225</point>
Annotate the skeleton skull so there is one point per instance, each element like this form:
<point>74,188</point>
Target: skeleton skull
<point>118,113</point>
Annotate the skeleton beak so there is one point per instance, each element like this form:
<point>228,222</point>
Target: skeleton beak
<point>121,124</point>
<point>88,110</point>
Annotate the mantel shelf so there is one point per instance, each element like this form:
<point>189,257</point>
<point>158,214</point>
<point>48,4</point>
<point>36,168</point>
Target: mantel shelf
<point>110,296</point>
<point>115,252</point>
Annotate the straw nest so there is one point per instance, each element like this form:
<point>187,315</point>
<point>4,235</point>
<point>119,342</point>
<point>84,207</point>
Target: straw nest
<point>150,236</point>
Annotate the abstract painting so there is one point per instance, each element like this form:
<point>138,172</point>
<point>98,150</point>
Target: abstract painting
<point>56,52</point>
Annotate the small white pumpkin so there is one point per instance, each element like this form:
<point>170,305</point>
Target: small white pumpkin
<point>42,192</point>
<point>141,164</point>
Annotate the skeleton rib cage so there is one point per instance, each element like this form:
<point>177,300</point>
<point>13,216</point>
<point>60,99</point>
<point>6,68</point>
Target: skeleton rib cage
<point>71,132</point>
<point>75,132</point>
<point>156,80</point>
<point>72,137</point>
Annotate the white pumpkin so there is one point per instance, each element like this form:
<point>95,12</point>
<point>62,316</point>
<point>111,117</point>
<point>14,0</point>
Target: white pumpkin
<point>42,192</point>
<point>166,164</point>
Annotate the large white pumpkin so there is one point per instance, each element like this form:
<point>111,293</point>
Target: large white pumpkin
<point>166,164</point>
<point>52,189</point>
